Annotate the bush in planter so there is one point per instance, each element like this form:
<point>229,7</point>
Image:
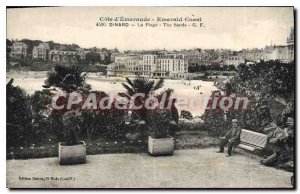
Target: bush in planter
<point>72,151</point>
<point>144,86</point>
<point>162,125</point>
<point>69,79</point>
<point>72,121</point>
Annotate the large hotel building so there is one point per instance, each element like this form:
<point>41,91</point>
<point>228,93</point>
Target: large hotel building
<point>150,64</point>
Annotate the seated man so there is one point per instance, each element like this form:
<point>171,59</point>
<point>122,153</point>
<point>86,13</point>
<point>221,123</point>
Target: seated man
<point>232,137</point>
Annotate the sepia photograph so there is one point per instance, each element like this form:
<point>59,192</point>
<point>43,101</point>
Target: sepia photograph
<point>150,97</point>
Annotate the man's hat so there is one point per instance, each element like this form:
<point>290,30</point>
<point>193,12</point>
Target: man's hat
<point>234,120</point>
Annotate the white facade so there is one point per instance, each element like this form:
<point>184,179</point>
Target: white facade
<point>18,50</point>
<point>235,60</point>
<point>276,53</point>
<point>290,43</point>
<point>63,56</point>
<point>41,51</point>
<point>150,64</point>
<point>125,65</point>
<point>163,64</point>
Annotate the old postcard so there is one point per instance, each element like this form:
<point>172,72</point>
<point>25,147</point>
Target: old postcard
<point>150,97</point>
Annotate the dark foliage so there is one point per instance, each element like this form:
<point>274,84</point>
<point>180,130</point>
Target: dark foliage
<point>40,107</point>
<point>67,78</point>
<point>144,86</point>
<point>186,114</point>
<point>19,116</point>
<point>264,83</point>
<point>141,85</point>
<point>201,68</point>
<point>161,123</point>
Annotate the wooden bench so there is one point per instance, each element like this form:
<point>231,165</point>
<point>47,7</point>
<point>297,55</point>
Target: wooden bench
<point>250,140</point>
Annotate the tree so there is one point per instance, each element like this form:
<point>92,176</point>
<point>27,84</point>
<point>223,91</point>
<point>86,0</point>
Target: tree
<point>53,45</point>
<point>141,85</point>
<point>67,78</point>
<point>93,120</point>
<point>92,57</point>
<point>31,44</point>
<point>263,83</point>
<point>18,116</point>
<point>231,68</point>
<point>266,79</point>
<point>41,110</point>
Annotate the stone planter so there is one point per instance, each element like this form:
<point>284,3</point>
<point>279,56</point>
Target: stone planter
<point>75,154</point>
<point>162,146</point>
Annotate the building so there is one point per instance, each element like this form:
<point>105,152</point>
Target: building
<point>63,56</point>
<point>81,52</point>
<point>113,53</point>
<point>284,53</point>
<point>111,70</point>
<point>112,57</point>
<point>165,64</point>
<point>207,57</point>
<point>279,53</point>
<point>150,64</point>
<point>41,52</point>
<point>253,55</point>
<point>274,52</point>
<point>103,54</point>
<point>125,65</point>
<point>234,59</point>
<point>18,50</point>
<point>290,45</point>
<point>194,57</point>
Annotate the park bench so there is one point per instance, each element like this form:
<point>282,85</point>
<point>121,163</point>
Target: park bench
<point>250,140</point>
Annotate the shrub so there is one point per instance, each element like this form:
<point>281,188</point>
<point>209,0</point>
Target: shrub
<point>18,116</point>
<point>195,124</point>
<point>141,85</point>
<point>40,105</point>
<point>161,123</point>
<point>113,123</point>
<point>264,82</point>
<point>68,79</point>
<point>107,124</point>
<point>71,126</point>
<point>186,115</point>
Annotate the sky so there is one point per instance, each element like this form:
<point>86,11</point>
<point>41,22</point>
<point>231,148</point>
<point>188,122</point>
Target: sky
<point>224,27</point>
